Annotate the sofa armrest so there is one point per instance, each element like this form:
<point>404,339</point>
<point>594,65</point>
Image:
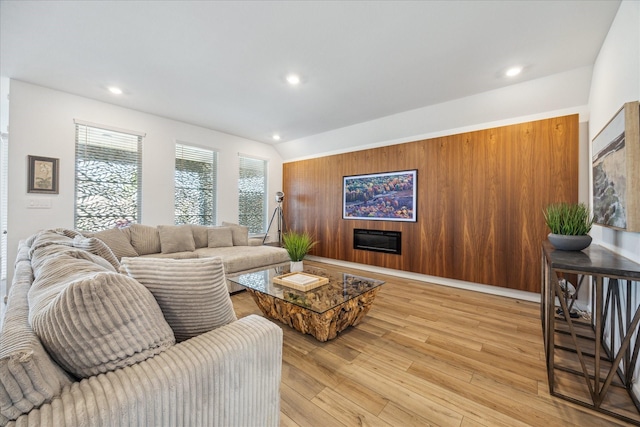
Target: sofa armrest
<point>226,377</point>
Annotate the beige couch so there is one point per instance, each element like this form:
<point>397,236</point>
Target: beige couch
<point>240,254</point>
<point>90,340</point>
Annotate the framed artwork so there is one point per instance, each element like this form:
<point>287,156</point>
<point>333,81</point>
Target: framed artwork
<point>389,196</point>
<point>616,171</point>
<point>43,175</point>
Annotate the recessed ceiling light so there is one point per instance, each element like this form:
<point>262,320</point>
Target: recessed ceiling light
<point>513,71</point>
<point>115,90</point>
<point>293,79</point>
<point>275,137</point>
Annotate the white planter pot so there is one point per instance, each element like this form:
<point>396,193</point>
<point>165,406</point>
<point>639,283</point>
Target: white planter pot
<point>296,266</point>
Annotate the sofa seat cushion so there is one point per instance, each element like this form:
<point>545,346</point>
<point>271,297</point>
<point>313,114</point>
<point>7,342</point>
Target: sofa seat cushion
<point>192,293</point>
<point>241,258</point>
<point>91,319</point>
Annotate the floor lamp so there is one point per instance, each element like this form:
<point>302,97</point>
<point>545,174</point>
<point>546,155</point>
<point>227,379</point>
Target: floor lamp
<point>277,213</point>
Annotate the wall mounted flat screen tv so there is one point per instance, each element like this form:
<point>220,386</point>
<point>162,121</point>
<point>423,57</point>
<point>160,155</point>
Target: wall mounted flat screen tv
<point>389,196</point>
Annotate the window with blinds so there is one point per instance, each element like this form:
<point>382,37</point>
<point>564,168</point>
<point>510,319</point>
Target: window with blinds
<point>196,185</point>
<point>252,189</point>
<point>108,178</point>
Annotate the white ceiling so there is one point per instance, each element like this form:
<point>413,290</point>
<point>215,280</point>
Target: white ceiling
<point>221,65</point>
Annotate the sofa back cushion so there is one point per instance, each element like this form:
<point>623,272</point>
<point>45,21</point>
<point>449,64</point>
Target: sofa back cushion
<point>192,293</point>
<point>145,239</point>
<point>43,252</point>
<point>28,375</point>
<point>176,238</point>
<point>220,237</point>
<point>118,241</point>
<point>97,247</point>
<point>200,235</point>
<point>240,233</point>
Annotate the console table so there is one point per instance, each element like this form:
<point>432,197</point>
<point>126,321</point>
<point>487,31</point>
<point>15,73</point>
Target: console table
<point>591,362</point>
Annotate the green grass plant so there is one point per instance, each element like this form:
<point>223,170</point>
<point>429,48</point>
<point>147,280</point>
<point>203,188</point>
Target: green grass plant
<point>572,219</point>
<point>297,244</point>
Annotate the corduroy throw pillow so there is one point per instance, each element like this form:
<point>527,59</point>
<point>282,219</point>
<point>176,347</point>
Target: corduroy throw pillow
<point>98,323</point>
<point>192,293</point>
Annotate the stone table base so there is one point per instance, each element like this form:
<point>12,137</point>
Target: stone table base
<point>323,326</point>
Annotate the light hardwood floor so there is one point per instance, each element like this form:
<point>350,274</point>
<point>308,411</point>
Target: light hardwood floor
<point>425,355</point>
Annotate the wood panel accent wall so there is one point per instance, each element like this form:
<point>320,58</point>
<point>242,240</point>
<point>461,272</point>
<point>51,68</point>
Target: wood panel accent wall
<point>480,201</point>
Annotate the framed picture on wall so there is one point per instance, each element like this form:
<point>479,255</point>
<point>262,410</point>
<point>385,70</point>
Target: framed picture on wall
<point>616,171</point>
<point>43,175</point>
<point>389,196</point>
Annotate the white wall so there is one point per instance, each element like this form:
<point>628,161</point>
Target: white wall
<point>4,104</point>
<point>41,123</point>
<point>616,80</point>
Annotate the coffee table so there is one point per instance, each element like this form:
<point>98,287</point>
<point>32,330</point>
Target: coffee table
<point>322,312</point>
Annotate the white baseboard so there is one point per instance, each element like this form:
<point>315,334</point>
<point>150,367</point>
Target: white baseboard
<point>460,284</point>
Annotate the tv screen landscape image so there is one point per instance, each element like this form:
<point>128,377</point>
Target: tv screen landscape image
<point>389,196</point>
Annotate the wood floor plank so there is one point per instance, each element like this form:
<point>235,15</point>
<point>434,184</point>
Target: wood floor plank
<point>428,407</point>
<point>468,422</point>
<point>348,413</point>
<point>302,411</point>
<point>398,416</point>
<point>303,382</point>
<point>425,355</point>
<point>437,398</point>
<point>362,396</point>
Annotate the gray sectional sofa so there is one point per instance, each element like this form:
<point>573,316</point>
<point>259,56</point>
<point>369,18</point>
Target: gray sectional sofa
<point>95,338</point>
<point>240,254</point>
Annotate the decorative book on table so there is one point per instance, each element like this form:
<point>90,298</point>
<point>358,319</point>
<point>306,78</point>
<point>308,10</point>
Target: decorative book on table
<point>301,281</point>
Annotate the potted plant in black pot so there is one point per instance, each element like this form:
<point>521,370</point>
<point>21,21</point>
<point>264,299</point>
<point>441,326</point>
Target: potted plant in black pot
<point>570,224</point>
<point>297,246</point>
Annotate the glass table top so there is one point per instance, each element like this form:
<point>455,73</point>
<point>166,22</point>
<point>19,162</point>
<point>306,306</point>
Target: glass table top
<point>341,287</point>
